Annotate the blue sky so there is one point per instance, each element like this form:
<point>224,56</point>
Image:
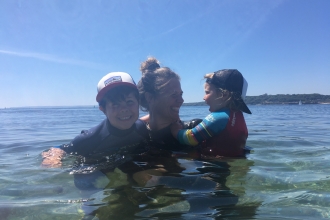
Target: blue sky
<point>53,53</point>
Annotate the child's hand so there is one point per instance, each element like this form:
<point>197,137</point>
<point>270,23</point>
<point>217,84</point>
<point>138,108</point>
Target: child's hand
<point>175,128</point>
<point>52,157</point>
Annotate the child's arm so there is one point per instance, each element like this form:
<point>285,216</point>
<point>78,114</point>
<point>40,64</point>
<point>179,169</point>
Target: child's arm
<point>52,157</point>
<point>212,125</point>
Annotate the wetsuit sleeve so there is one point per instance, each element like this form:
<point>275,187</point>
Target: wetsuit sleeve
<point>76,145</point>
<point>192,123</point>
<point>213,124</point>
<point>87,140</point>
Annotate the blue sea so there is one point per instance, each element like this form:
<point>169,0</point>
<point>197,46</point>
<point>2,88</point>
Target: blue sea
<point>286,175</point>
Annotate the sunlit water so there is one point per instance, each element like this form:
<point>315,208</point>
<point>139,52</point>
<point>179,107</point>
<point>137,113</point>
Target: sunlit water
<point>286,176</point>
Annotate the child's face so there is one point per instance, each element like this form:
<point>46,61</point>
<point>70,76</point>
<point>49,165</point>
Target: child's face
<point>213,97</point>
<point>122,115</point>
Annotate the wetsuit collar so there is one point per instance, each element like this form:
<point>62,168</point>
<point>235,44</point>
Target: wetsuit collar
<point>223,110</point>
<point>117,132</point>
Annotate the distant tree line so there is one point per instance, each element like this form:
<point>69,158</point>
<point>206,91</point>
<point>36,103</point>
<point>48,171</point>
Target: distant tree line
<point>279,99</point>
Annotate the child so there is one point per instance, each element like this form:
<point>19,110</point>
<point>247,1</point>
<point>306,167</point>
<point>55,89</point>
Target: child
<point>223,132</point>
<point>117,136</point>
<point>109,144</point>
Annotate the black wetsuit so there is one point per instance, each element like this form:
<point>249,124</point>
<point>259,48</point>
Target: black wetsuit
<point>106,147</point>
<point>105,139</point>
<point>164,140</point>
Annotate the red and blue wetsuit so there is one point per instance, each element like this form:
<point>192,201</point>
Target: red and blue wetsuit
<point>221,133</point>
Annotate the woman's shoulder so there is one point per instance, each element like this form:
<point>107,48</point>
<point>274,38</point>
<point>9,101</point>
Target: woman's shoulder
<point>141,128</point>
<point>145,118</point>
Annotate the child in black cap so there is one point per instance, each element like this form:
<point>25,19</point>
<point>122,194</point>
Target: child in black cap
<point>224,131</point>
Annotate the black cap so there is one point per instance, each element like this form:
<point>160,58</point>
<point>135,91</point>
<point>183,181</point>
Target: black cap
<point>233,81</point>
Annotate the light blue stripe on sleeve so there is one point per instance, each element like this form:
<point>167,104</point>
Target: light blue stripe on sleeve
<point>181,135</point>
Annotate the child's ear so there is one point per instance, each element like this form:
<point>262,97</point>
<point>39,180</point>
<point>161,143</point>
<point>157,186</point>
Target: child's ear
<point>220,93</point>
<point>225,95</point>
<point>102,109</point>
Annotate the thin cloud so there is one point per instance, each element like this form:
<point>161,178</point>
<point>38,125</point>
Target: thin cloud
<point>196,17</point>
<point>51,58</point>
<point>251,28</point>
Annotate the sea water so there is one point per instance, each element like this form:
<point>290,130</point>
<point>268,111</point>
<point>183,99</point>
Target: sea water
<point>286,176</point>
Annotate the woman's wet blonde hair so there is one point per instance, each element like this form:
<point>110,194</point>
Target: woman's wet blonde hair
<point>153,79</point>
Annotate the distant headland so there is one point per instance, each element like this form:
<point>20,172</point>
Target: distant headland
<point>280,99</point>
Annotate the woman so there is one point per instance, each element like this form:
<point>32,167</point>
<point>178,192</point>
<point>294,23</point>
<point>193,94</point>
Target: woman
<point>161,96</point>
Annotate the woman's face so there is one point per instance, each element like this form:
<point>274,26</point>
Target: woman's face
<point>167,104</point>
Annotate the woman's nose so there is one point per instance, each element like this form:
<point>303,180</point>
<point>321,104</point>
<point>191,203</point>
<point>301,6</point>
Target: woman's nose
<point>180,99</point>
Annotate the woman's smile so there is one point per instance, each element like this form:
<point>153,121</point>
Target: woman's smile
<point>176,109</point>
<point>168,103</point>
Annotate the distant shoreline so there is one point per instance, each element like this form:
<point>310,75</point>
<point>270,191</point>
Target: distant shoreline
<point>264,99</point>
<point>204,104</point>
<point>280,100</point>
